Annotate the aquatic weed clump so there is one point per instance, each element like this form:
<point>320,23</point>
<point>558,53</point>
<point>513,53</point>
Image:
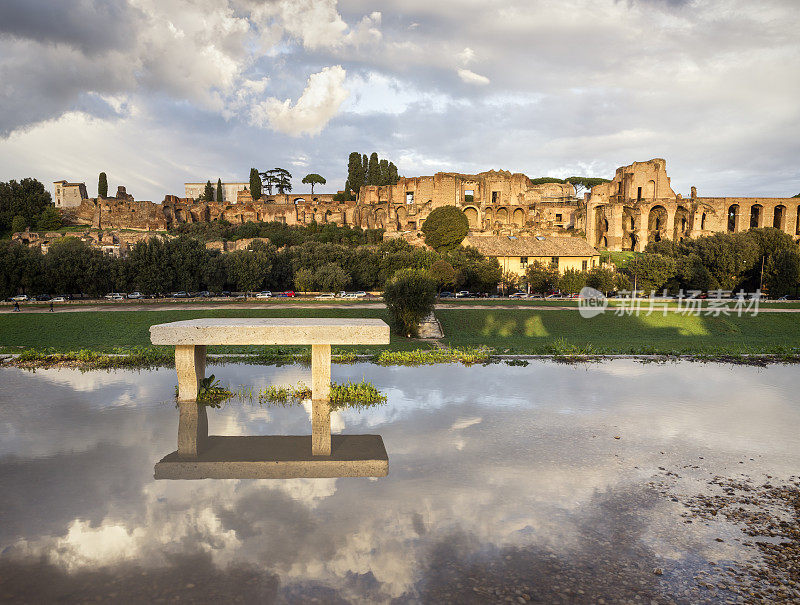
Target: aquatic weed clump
<point>134,357</point>
<point>419,357</point>
<point>355,395</point>
<point>349,395</point>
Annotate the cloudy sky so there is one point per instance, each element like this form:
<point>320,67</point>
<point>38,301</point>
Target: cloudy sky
<point>159,92</point>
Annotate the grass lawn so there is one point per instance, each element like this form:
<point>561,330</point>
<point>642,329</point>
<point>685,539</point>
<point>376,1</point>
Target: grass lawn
<point>517,331</point>
<point>505,330</point>
<point>104,330</point>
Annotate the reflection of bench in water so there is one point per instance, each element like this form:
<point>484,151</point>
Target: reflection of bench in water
<point>199,456</point>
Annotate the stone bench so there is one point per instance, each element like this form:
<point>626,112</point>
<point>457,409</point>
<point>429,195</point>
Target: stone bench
<point>191,338</point>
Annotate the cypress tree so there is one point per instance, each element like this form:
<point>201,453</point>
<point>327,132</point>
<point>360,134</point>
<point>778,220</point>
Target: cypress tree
<point>393,178</point>
<point>219,190</point>
<point>255,184</point>
<point>208,193</point>
<point>374,174</point>
<point>383,170</point>
<point>102,185</point>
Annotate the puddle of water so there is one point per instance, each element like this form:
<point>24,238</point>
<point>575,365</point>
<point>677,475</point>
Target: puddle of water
<point>536,482</point>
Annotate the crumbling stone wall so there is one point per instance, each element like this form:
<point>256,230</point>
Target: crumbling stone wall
<point>639,206</point>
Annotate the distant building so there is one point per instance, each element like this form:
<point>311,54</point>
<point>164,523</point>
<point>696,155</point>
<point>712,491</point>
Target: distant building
<point>69,195</point>
<point>229,190</point>
<point>516,253</point>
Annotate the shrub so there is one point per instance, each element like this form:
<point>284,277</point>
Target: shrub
<point>572,281</point>
<point>410,295</point>
<point>445,228</point>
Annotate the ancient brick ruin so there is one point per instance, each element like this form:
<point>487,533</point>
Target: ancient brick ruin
<point>636,207</point>
<point>639,206</point>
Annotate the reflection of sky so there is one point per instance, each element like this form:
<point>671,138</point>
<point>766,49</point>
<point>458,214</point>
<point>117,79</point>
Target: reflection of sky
<point>522,456</point>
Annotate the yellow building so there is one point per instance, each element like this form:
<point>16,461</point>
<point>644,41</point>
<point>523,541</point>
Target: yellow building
<point>515,254</point>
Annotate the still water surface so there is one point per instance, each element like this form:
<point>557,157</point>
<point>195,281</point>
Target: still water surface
<point>504,483</point>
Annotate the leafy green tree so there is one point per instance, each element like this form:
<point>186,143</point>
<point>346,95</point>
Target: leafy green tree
<point>49,219</point>
<point>584,182</point>
<point>18,223</point>
<point>21,269</point>
<point>280,178</point>
<point>27,198</point>
<point>208,192</point>
<point>601,279</point>
<point>220,195</point>
<point>444,273</point>
<point>410,296</point>
<point>393,177</point>
<point>546,179</point>
<point>374,170</point>
<point>304,280</point>
<point>445,228</point>
<point>572,281</point>
<point>330,277</point>
<point>542,278</point>
<point>650,272</point>
<point>255,184</point>
<point>313,179</point>
<point>250,269</point>
<point>102,185</point>
<point>476,273</point>
<point>782,272</point>
<point>383,173</point>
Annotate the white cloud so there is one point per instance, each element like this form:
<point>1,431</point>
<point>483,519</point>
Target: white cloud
<point>320,101</point>
<point>470,77</point>
<point>466,56</point>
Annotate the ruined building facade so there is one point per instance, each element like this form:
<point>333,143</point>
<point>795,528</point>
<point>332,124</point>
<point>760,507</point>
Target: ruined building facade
<point>639,206</point>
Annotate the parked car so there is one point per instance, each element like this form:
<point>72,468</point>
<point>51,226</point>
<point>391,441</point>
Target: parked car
<point>289,293</point>
<point>180,294</point>
<point>360,294</point>
<point>341,294</point>
<point>463,294</point>
<point>446,294</point>
<point>328,296</point>
<point>19,298</point>
<point>43,297</point>
<point>519,295</point>
<point>114,296</point>
<point>226,293</point>
<point>58,299</point>
<point>135,295</point>
<point>264,294</point>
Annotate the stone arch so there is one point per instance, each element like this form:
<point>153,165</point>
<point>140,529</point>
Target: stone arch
<point>600,225</point>
<point>756,216</point>
<point>401,214</point>
<point>380,218</point>
<point>779,217</point>
<point>488,218</point>
<point>299,200</point>
<point>681,224</point>
<point>603,242</point>
<point>649,191</point>
<point>628,228</point>
<point>703,222</point>
<point>501,216</point>
<point>326,218</point>
<point>733,218</point>
<point>657,224</point>
<point>472,217</point>
<point>518,217</point>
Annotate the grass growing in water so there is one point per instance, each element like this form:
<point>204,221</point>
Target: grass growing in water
<point>419,357</point>
<point>350,395</point>
<point>136,357</point>
<point>212,393</point>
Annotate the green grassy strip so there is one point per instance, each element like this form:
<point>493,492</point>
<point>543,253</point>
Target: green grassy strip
<point>471,331</point>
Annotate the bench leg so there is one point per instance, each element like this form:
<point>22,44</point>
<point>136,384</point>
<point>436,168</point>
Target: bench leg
<point>320,398</point>
<point>190,363</point>
<point>192,429</point>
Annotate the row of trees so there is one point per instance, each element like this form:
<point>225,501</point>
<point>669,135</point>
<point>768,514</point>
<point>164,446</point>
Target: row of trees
<point>544,279</point>
<point>24,204</point>
<point>184,263</point>
<point>280,234</point>
<point>363,170</point>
